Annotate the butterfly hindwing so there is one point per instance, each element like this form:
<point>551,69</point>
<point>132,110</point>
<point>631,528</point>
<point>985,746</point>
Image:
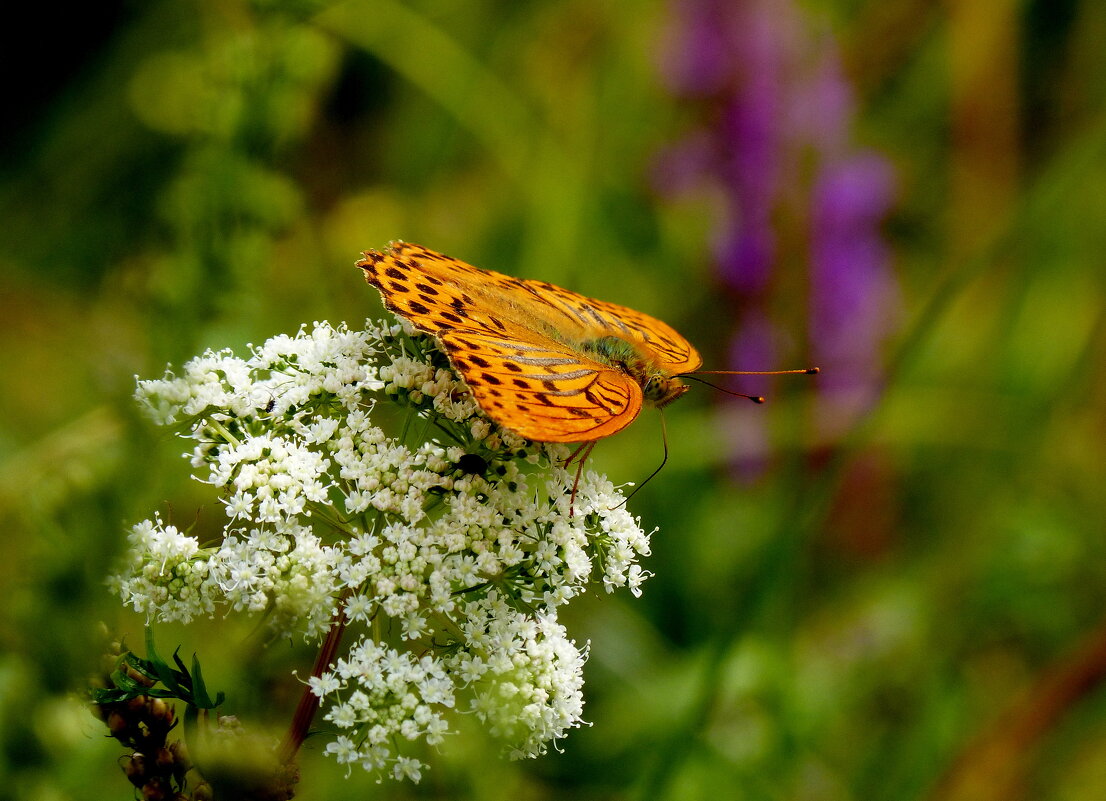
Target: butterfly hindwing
<point>542,390</point>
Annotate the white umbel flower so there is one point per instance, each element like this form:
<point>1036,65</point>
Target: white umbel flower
<point>450,546</point>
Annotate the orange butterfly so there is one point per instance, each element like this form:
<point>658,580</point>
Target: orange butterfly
<point>548,364</point>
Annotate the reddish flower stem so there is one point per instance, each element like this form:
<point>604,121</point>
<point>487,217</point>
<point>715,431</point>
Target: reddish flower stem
<point>309,702</point>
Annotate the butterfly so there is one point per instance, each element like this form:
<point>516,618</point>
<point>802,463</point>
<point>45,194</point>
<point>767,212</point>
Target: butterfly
<point>547,363</point>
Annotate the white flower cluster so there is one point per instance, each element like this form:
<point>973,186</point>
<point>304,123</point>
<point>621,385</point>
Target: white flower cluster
<point>458,547</point>
<point>527,676</point>
<point>396,695</point>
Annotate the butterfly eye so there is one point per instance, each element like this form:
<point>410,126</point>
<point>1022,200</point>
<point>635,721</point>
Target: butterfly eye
<point>661,390</point>
<point>656,389</point>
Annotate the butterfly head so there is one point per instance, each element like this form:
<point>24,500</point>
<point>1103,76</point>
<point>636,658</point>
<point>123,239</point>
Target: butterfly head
<point>658,386</point>
<point>660,389</point>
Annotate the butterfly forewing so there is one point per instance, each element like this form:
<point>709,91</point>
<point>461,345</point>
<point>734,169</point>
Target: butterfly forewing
<point>667,347</point>
<point>520,344</point>
<point>437,293</point>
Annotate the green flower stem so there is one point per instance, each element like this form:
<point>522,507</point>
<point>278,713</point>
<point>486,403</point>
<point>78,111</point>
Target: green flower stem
<point>221,430</point>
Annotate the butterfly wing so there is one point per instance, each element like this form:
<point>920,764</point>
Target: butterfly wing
<point>436,293</point>
<point>502,337</point>
<point>663,343</point>
<point>541,390</point>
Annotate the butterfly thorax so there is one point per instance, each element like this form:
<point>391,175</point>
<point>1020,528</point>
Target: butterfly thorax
<point>658,386</point>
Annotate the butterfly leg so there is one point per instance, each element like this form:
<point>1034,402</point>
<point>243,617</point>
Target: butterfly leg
<point>579,449</point>
<point>580,456</point>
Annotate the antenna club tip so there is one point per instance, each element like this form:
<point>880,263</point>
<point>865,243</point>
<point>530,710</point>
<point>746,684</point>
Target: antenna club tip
<point>813,370</point>
<point>756,398</point>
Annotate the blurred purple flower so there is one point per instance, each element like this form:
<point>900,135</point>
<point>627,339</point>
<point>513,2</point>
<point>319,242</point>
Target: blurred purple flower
<point>733,57</point>
<point>744,431</point>
<point>699,61</point>
<point>745,252</point>
<point>822,104</point>
<point>853,294</point>
<point>777,114</point>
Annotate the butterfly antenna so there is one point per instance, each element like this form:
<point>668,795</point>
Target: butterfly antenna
<point>664,461</point>
<point>694,376</point>
<point>804,371</point>
<point>753,398</point>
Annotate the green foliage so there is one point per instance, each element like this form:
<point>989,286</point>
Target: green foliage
<point>135,676</point>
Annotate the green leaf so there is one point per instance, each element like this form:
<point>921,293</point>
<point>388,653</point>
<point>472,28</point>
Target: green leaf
<point>201,698</point>
<point>159,666</point>
<point>185,679</point>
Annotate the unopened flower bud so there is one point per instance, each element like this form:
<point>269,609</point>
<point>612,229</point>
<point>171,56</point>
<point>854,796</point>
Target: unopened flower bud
<point>180,755</point>
<point>163,759</point>
<point>135,769</point>
<point>139,676</point>
<point>161,714</point>
<point>155,790</point>
<point>117,724</point>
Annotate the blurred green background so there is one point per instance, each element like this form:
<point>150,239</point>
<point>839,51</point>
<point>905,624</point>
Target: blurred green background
<point>887,583</point>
